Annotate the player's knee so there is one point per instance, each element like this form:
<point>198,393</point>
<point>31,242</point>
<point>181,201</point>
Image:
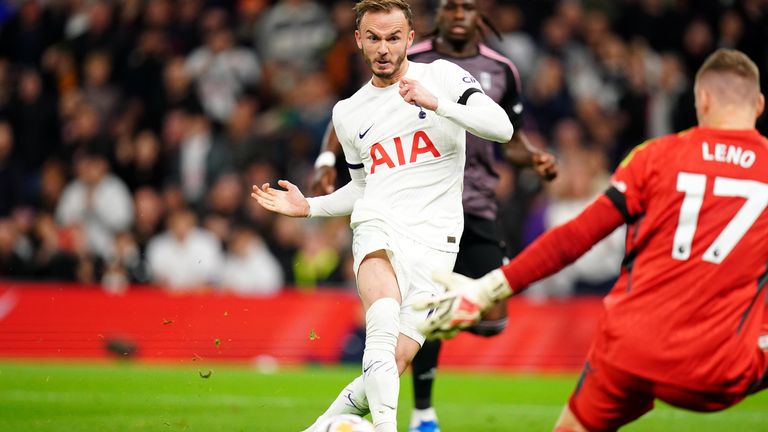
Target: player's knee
<point>568,422</point>
<point>402,361</point>
<point>406,351</point>
<point>488,328</point>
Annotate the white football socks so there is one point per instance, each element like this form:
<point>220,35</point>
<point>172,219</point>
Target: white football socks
<point>379,386</point>
<point>380,374</point>
<point>351,400</point>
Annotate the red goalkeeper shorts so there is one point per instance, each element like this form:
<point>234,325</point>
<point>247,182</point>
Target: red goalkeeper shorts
<point>606,398</point>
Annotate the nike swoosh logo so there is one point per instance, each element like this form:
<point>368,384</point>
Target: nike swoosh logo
<point>361,135</point>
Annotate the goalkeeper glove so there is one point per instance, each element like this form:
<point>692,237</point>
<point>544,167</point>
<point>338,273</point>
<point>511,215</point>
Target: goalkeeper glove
<point>463,303</point>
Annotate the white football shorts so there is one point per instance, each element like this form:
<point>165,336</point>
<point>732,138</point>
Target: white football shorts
<point>413,262</point>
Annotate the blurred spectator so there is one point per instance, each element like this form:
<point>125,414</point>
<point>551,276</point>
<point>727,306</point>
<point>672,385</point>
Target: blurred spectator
<point>96,199</point>
<point>731,30</point>
<point>185,25</point>
<point>97,90</point>
<point>60,70</point>
<point>174,130</point>
<point>50,261</point>
<point>87,267</point>
<point>222,72</point>
<point>293,33</point>
<point>698,42</point>
<point>92,30</point>
<point>226,196</point>
<point>63,254</point>
<point>664,95</point>
<point>653,21</point>
<point>176,93</point>
<point>313,101</point>
<point>172,197</point>
<point>53,179</point>
<point>83,133</point>
<point>317,258</point>
<point>200,160</point>
<point>143,74</point>
<point>184,257</point>
<point>548,98</point>
<point>12,265</point>
<point>33,114</point>
<point>159,14</point>
<point>241,138</point>
<point>217,225</point>
<point>149,215</point>
<point>284,240</point>
<point>632,115</point>
<point>344,66</point>
<point>515,44</point>
<point>11,192</point>
<point>139,161</point>
<point>26,35</point>
<point>6,89</point>
<point>594,29</point>
<point>125,265</point>
<point>754,14</point>
<point>249,267</point>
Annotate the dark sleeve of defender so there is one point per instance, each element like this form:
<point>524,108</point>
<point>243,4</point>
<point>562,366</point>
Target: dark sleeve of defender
<point>511,100</point>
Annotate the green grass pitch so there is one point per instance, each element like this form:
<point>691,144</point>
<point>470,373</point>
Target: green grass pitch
<point>138,397</point>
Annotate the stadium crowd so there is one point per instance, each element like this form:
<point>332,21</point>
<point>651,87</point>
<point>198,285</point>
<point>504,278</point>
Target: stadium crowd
<point>132,130</point>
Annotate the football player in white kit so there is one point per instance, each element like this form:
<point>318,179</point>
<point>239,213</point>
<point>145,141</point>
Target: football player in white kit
<point>403,136</point>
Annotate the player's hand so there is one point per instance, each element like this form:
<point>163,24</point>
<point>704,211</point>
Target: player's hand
<point>415,94</point>
<point>463,303</point>
<point>545,165</point>
<point>290,202</point>
<point>324,181</point>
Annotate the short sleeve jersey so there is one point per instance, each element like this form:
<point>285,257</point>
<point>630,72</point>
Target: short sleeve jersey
<point>413,166</point>
<point>500,80</point>
<point>688,304</point>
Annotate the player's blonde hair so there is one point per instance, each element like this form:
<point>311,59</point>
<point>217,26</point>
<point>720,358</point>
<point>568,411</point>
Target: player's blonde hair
<point>364,6</point>
<point>725,63</point>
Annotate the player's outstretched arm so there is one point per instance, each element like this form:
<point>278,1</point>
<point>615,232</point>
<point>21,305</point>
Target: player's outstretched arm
<point>324,179</point>
<point>289,202</point>
<point>466,298</point>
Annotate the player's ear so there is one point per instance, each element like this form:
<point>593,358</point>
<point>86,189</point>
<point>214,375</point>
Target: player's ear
<point>703,100</point>
<point>358,39</point>
<point>760,105</point>
<point>411,35</point>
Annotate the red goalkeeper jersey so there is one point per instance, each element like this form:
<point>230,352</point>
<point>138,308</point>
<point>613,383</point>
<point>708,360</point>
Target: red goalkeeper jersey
<point>688,305</point>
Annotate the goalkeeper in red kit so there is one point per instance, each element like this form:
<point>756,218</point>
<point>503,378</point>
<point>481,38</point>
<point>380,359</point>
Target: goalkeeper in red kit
<point>683,320</point>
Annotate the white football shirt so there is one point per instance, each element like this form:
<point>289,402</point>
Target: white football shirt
<point>413,166</point>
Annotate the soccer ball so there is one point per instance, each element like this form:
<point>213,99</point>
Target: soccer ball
<point>345,423</point>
